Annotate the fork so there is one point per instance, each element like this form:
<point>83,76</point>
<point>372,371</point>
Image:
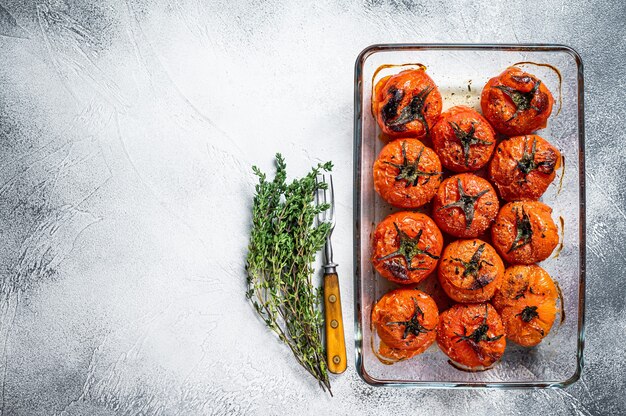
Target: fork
<point>335,339</point>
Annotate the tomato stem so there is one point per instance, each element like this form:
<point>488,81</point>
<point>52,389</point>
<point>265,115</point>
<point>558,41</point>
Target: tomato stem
<point>522,100</point>
<point>413,325</point>
<point>466,202</point>
<point>410,171</point>
<point>524,230</point>
<point>467,138</point>
<point>472,267</point>
<point>414,110</point>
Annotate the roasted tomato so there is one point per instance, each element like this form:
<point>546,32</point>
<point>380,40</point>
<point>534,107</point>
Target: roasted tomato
<point>465,205</point>
<point>524,232</point>
<point>463,139</point>
<point>407,173</point>
<point>407,246</point>
<point>406,321</point>
<point>407,104</point>
<point>516,102</point>
<point>472,335</point>
<point>470,271</point>
<point>523,167</point>
<point>526,302</point>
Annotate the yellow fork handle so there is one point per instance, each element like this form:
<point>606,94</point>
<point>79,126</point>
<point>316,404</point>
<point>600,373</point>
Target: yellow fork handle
<point>335,338</point>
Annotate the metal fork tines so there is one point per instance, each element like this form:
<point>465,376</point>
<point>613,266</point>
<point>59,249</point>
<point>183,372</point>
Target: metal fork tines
<point>327,216</point>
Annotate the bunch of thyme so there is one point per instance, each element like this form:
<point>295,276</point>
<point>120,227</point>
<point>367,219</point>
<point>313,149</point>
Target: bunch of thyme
<point>283,244</point>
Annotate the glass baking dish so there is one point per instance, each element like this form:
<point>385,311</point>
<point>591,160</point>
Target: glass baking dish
<point>460,71</point>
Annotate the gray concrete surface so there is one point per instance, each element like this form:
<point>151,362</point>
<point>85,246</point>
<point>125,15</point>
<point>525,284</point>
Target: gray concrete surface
<point>127,131</point>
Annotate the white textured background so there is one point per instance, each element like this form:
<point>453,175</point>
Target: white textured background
<point>127,131</point>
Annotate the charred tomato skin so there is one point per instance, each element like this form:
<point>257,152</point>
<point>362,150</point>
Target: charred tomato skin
<point>458,150</point>
<point>506,116</point>
<point>533,221</point>
<point>463,320</point>
<point>409,91</point>
<point>527,304</point>
<point>453,219</point>
<point>523,167</point>
<point>470,271</point>
<point>397,309</point>
<point>386,241</point>
<point>402,192</point>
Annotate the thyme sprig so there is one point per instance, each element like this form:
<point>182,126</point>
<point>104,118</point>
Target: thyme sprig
<point>524,230</point>
<point>472,267</point>
<point>467,138</point>
<point>466,202</point>
<point>414,110</point>
<point>413,325</point>
<point>522,100</point>
<point>410,171</point>
<point>408,249</point>
<point>283,243</point>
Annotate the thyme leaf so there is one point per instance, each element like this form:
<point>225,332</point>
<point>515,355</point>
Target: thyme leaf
<point>466,202</point>
<point>410,171</point>
<point>467,138</point>
<point>522,100</point>
<point>413,325</point>
<point>524,230</point>
<point>283,243</point>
